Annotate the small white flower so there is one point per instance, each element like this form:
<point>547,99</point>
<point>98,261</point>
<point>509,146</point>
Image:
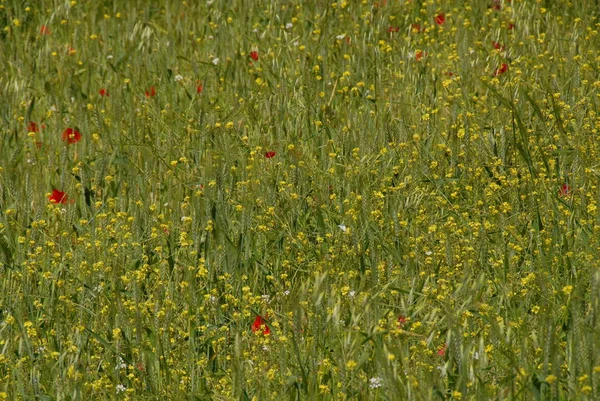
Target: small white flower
<point>121,388</point>
<point>342,227</point>
<point>375,382</point>
<point>289,25</point>
<point>178,78</point>
<point>109,57</point>
<point>266,298</point>
<point>352,293</point>
<point>428,253</point>
<point>209,2</point>
<point>215,60</point>
<point>286,292</point>
<point>120,364</point>
<point>255,30</point>
<point>296,43</point>
<point>476,355</point>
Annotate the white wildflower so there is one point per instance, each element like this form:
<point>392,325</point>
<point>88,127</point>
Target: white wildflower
<point>120,364</point>
<point>375,382</point>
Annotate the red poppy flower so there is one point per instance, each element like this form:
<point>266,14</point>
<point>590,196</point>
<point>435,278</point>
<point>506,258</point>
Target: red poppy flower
<point>199,88</point>
<point>565,190</point>
<point>57,197</point>
<point>511,26</point>
<point>442,351</point>
<point>151,92</point>
<point>419,55</point>
<point>416,28</point>
<point>401,321</point>
<point>258,324</point>
<point>498,46</point>
<point>71,136</point>
<point>393,29</point>
<point>501,70</point>
<point>254,55</point>
<point>440,19</point>
<point>32,127</point>
<point>44,30</point>
<point>103,92</point>
<point>270,154</point>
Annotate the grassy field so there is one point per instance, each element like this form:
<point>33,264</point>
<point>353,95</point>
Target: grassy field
<point>299,200</point>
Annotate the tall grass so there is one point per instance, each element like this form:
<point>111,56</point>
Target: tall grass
<point>299,200</point>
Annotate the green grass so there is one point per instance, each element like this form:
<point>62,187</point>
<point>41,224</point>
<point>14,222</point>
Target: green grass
<point>427,227</point>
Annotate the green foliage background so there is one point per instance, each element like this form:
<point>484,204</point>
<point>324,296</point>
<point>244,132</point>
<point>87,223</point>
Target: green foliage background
<point>426,229</point>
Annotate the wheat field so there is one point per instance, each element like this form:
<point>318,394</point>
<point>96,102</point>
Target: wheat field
<point>299,200</point>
